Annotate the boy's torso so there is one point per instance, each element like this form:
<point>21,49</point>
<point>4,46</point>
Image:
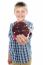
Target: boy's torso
<point>21,53</point>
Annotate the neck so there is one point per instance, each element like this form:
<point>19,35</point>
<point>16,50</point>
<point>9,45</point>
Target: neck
<point>20,21</point>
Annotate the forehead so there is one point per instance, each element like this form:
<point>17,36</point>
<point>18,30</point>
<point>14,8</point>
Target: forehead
<point>20,8</point>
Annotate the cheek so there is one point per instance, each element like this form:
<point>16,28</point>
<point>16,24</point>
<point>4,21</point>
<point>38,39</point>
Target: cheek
<point>23,13</point>
<point>17,15</point>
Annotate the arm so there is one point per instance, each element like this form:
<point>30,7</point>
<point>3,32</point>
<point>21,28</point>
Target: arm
<point>10,45</point>
<point>10,32</point>
<point>30,26</point>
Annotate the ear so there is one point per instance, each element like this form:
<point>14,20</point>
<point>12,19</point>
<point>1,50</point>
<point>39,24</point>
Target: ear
<point>14,10</point>
<point>26,11</point>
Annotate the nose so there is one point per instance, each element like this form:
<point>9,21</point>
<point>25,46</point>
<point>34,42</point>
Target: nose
<point>20,13</point>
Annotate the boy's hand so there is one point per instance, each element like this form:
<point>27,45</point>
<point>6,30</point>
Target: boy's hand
<point>21,39</point>
<point>9,59</point>
<point>11,64</point>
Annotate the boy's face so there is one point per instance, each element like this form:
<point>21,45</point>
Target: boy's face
<point>20,13</point>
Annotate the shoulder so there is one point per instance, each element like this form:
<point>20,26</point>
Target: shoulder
<point>30,24</point>
<point>12,24</point>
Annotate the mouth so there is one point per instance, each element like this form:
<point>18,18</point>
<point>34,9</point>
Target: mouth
<point>20,16</point>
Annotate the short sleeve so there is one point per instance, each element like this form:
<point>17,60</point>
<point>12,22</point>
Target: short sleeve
<point>11,42</point>
<point>10,31</point>
<point>30,26</point>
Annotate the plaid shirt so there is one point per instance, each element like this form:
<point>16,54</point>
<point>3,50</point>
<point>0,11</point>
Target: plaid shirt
<point>20,53</point>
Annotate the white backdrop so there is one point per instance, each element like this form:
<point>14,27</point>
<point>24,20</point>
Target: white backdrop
<point>35,15</point>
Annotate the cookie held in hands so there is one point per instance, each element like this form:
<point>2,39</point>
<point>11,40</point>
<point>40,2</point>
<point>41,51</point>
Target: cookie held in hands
<point>20,28</point>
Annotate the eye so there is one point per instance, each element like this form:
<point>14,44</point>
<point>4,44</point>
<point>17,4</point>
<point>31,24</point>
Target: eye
<point>23,11</point>
<point>17,11</point>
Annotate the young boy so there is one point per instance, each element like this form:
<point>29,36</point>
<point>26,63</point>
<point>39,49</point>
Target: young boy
<point>20,54</point>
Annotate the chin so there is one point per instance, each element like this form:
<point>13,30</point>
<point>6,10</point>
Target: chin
<point>21,20</point>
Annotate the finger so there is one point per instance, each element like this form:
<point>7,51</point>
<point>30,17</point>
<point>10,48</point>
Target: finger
<point>19,39</point>
<point>25,38</point>
<point>22,39</point>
